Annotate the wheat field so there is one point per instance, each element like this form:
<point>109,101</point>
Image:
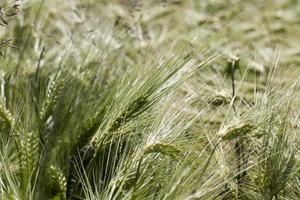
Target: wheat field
<point>149,100</point>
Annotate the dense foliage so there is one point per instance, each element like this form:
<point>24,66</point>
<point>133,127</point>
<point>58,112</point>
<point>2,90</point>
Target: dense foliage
<point>149,100</point>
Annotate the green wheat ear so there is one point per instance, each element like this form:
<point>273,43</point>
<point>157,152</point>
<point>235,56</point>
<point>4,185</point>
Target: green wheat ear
<point>219,100</point>
<point>164,148</point>
<point>5,116</point>
<point>235,131</point>
<point>29,153</point>
<point>58,181</point>
<point>54,88</point>
<point>134,109</point>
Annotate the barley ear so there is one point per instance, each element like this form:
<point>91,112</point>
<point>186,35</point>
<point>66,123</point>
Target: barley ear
<point>134,109</point>
<point>29,149</point>
<point>58,181</point>
<point>54,88</point>
<point>5,116</point>
<point>164,148</point>
<point>138,106</point>
<point>233,132</point>
<point>219,100</point>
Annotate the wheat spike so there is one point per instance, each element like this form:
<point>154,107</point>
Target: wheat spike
<point>134,109</point>
<point>219,100</point>
<point>53,91</point>
<point>6,116</point>
<point>137,107</point>
<point>58,179</point>
<point>234,131</point>
<point>163,148</point>
<point>29,152</point>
